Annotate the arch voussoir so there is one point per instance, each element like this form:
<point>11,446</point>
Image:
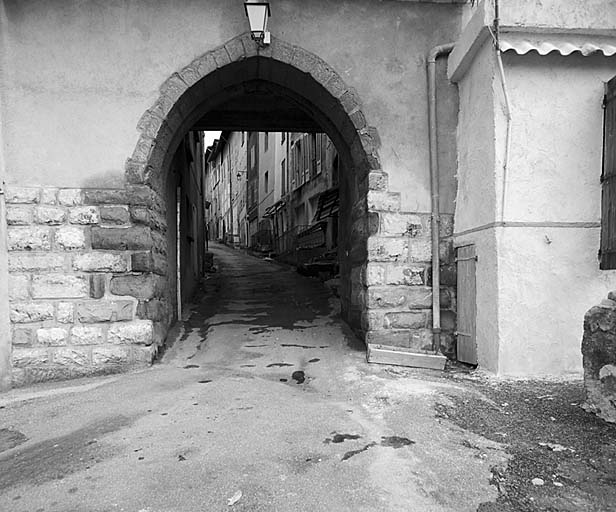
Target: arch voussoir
<point>162,106</point>
<point>350,101</point>
<point>143,149</point>
<point>190,75</point>
<point>282,51</point>
<point>305,61</point>
<point>236,50</point>
<point>358,119</point>
<point>149,124</point>
<point>221,57</point>
<point>173,87</point>
<point>203,65</point>
<point>135,171</point>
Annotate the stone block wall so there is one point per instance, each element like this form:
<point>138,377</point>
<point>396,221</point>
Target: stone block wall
<point>398,277</point>
<point>89,291</point>
<point>87,280</point>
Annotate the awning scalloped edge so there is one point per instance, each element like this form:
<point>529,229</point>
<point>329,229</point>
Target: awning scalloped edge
<point>522,45</point>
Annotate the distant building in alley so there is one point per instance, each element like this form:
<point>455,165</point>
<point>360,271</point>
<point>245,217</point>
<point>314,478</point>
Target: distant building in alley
<point>225,188</point>
<point>274,193</point>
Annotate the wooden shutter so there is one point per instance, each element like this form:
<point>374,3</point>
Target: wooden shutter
<point>607,252</point>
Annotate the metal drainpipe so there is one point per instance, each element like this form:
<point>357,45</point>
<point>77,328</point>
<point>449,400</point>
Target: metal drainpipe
<point>437,51</point>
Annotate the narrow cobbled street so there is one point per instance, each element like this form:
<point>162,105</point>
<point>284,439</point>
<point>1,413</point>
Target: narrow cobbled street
<point>263,403</point>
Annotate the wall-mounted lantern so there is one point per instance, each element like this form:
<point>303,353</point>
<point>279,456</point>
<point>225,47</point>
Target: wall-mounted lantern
<point>239,175</point>
<point>258,13</point>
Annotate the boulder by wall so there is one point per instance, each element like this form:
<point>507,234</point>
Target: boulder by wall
<point>599,355</point>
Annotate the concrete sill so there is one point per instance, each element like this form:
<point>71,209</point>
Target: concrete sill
<point>382,354</point>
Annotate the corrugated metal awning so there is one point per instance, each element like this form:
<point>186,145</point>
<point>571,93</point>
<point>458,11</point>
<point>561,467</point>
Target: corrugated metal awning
<point>563,43</point>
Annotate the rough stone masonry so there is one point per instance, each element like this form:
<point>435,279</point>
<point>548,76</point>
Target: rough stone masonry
<point>599,352</point>
<point>87,289</point>
<point>89,294</point>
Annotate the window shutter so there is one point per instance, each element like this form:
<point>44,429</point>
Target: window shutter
<point>607,253</point>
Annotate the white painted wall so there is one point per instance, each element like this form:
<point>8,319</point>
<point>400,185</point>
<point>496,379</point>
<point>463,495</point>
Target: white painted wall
<point>548,279</point>
<point>538,273</point>
<point>555,162</point>
<point>477,197</point>
<point>549,276</point>
<point>562,14</point>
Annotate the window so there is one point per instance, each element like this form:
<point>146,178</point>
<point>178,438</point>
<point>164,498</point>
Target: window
<point>296,164</point>
<point>307,157</point>
<point>265,141</point>
<point>607,251</point>
<point>335,171</point>
<point>283,176</point>
<point>252,157</point>
<point>243,137</point>
<point>300,215</point>
<point>318,154</point>
<point>283,137</point>
<point>252,194</point>
<point>266,181</point>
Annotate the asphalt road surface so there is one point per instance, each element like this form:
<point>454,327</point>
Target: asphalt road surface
<point>263,403</point>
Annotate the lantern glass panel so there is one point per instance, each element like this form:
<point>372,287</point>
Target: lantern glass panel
<point>257,16</point>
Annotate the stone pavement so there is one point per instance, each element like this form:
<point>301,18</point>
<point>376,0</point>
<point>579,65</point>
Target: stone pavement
<point>263,403</point>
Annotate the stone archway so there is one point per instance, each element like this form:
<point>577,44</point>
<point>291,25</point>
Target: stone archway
<point>184,98</point>
<point>89,276</point>
<point>236,69</point>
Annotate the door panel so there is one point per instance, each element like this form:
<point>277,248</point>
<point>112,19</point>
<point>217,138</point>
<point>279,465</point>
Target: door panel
<point>467,304</point>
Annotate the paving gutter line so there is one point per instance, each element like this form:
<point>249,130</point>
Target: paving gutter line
<point>26,395</point>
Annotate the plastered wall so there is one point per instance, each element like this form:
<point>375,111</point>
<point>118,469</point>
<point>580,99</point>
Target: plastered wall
<point>537,268</point>
<point>549,276</point>
<point>476,194</point>
<point>561,14</point>
<point>103,64</point>
<point>548,279</point>
<point>477,197</point>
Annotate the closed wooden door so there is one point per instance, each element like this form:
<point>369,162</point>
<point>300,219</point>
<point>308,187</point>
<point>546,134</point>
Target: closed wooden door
<point>467,304</point>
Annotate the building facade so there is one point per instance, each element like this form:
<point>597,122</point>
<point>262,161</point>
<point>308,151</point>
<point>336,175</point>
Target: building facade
<point>290,184</point>
<point>469,139</point>
<point>529,144</point>
<point>225,178</point>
